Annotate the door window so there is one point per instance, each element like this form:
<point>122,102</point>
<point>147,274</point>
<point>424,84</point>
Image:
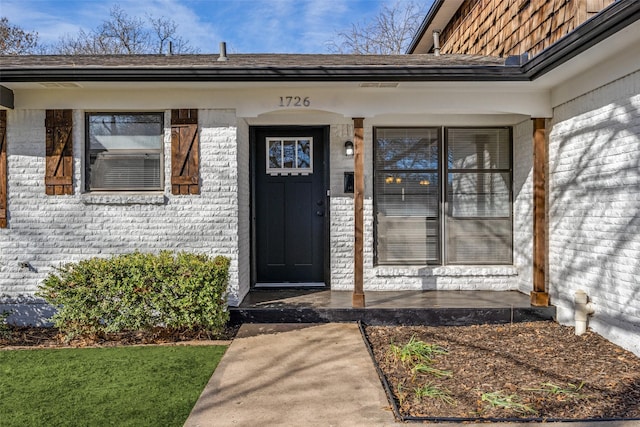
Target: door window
<point>289,156</point>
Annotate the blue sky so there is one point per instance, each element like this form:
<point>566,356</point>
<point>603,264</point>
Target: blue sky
<point>248,26</point>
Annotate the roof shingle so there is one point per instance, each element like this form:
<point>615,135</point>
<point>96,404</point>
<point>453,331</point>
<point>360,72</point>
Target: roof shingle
<point>255,67</point>
<point>243,61</point>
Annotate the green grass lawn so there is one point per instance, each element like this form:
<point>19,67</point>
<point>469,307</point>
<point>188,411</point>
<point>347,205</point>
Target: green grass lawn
<point>124,386</point>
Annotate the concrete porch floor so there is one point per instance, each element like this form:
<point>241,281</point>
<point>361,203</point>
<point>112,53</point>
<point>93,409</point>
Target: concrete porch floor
<point>388,308</point>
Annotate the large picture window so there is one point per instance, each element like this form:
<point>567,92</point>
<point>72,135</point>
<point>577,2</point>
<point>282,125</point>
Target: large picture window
<point>443,200</point>
<point>124,151</point>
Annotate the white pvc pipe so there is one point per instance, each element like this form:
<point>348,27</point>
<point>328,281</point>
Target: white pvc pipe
<point>583,308</point>
<point>436,42</point>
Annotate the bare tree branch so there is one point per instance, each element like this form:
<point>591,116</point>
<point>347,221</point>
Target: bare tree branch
<point>126,34</point>
<point>123,34</point>
<point>165,31</point>
<point>15,41</point>
<point>389,33</point>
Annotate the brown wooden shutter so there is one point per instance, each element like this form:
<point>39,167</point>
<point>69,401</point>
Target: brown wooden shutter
<point>185,158</point>
<point>3,169</point>
<point>59,164</point>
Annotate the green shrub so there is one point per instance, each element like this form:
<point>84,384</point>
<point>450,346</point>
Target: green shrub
<point>139,291</point>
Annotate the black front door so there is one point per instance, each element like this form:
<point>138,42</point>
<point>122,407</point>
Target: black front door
<point>289,205</point>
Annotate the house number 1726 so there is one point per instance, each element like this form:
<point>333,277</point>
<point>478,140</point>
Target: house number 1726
<point>294,101</point>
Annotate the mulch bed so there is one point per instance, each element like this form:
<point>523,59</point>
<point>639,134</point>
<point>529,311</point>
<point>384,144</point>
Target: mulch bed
<point>540,370</point>
<point>537,370</point>
<point>36,337</point>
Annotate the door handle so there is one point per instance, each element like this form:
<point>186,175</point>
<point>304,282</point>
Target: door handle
<point>319,213</point>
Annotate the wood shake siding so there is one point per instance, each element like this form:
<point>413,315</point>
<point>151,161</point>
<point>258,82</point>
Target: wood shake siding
<point>513,27</point>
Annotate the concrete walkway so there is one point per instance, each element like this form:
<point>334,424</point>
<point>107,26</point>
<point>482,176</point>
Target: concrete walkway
<point>294,375</point>
<point>306,375</point>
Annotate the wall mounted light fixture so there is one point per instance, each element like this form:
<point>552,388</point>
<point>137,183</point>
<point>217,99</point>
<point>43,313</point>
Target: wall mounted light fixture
<point>348,149</point>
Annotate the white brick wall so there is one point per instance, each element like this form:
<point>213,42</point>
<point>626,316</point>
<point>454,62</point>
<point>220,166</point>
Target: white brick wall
<point>523,204</point>
<point>341,210</point>
<point>342,243</point>
<point>594,192</point>
<point>47,231</point>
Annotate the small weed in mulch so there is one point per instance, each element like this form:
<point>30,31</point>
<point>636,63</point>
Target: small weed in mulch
<point>521,371</point>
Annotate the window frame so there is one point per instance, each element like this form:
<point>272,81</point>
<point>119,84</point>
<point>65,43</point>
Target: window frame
<point>443,172</point>
<point>445,208</point>
<point>124,152</point>
<point>291,171</point>
<point>377,171</point>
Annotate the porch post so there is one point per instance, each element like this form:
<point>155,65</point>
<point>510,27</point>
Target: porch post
<point>358,203</point>
<point>539,295</point>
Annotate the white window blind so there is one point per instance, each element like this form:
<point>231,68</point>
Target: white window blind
<point>407,194</point>
<point>478,196</point>
<point>124,151</point>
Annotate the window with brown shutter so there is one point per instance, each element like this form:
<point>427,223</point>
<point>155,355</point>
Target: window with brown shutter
<point>124,152</point>
<point>59,163</point>
<point>185,167</point>
<point>3,169</point>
